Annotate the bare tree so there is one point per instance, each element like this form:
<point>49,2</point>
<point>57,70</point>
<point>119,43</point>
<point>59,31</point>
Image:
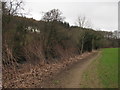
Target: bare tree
<point>12,7</point>
<point>54,14</point>
<point>83,22</point>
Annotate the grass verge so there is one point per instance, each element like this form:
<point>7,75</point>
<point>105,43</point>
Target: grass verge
<point>102,72</point>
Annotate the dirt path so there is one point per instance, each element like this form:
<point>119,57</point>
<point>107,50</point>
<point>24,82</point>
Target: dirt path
<point>71,78</point>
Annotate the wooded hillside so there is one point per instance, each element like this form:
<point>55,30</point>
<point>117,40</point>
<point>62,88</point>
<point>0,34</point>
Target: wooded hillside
<point>27,41</point>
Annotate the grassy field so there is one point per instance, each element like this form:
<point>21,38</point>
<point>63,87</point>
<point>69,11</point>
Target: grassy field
<point>103,72</point>
<point>108,67</point>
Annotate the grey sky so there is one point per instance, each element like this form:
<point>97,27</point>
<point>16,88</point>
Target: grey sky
<point>102,15</point>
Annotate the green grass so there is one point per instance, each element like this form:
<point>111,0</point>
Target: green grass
<point>103,71</point>
<point>108,67</point>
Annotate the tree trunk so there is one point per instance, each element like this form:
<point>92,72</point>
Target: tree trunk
<point>92,44</point>
<point>82,45</point>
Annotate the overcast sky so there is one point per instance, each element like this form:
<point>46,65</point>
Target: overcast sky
<point>102,14</point>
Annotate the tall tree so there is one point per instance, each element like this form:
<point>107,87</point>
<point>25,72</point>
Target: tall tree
<point>53,15</point>
<point>83,22</point>
<point>12,7</point>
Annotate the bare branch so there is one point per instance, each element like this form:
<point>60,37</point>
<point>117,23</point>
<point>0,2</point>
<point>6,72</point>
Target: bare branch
<point>13,6</point>
<point>83,22</point>
<point>54,14</point>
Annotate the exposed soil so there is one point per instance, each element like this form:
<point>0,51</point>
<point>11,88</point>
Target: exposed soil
<point>71,77</point>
